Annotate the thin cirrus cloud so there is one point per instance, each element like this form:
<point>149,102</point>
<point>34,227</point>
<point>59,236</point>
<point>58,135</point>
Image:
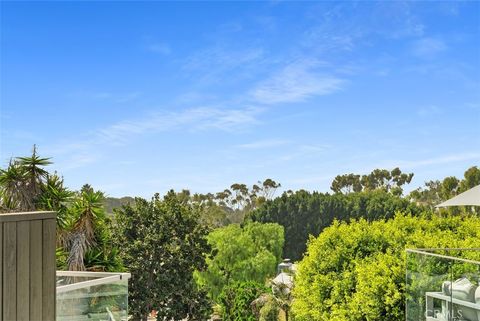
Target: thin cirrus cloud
<point>115,97</point>
<point>219,64</point>
<point>193,119</point>
<point>161,48</point>
<point>121,133</point>
<point>200,118</point>
<point>262,144</point>
<point>428,111</point>
<point>449,158</point>
<point>296,82</point>
<point>221,59</point>
<point>428,47</point>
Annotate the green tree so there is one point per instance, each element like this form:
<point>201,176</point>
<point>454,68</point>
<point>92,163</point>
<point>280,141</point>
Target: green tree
<point>162,242</point>
<point>303,213</point>
<point>56,197</point>
<point>250,253</point>
<point>429,196</point>
<point>356,271</point>
<point>86,237</point>
<point>82,234</point>
<point>21,183</point>
<point>390,181</point>
<point>236,300</point>
<point>346,183</point>
<point>435,192</point>
<point>449,187</point>
<point>226,207</point>
<point>471,178</point>
<point>270,310</point>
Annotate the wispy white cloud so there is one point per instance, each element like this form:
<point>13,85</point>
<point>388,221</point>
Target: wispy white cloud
<point>221,59</point>
<point>90,147</point>
<point>475,106</point>
<point>313,179</point>
<point>304,151</point>
<point>429,111</point>
<point>262,144</point>
<point>193,119</point>
<point>428,47</point>
<point>296,82</point>
<point>116,97</point>
<point>445,159</point>
<point>433,161</point>
<point>161,48</point>
<point>222,64</point>
<point>79,159</point>
<point>346,27</point>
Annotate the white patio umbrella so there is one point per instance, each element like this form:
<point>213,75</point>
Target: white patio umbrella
<point>467,198</point>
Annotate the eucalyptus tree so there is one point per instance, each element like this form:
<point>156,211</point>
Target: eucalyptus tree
<point>390,181</point>
<point>232,204</point>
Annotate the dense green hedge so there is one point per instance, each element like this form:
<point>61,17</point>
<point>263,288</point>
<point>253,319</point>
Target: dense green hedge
<point>303,213</point>
<point>356,271</point>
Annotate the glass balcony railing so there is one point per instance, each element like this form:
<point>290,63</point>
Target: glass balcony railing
<point>443,285</point>
<point>91,296</point>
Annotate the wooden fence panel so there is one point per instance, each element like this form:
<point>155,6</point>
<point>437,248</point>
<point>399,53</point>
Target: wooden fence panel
<point>27,270</point>
<point>9,271</point>
<point>36,291</point>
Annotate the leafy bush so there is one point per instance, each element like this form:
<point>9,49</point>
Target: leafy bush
<point>250,253</point>
<point>270,311</point>
<point>356,271</point>
<point>236,300</point>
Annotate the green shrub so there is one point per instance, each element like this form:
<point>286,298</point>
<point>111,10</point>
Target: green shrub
<point>356,271</point>
<point>270,311</point>
<point>236,300</point>
<point>239,254</point>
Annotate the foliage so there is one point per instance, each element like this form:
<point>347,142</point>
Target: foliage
<point>86,216</point>
<point>56,197</point>
<point>270,311</point>
<point>162,242</point>
<point>236,300</point>
<point>112,203</point>
<point>303,213</point>
<point>356,271</point>
<point>232,204</point>
<point>82,233</point>
<point>250,253</point>
<point>21,182</point>
<point>435,192</point>
<point>389,181</point>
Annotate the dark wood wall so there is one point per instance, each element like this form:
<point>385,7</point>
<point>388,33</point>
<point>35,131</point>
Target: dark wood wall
<point>27,249</point>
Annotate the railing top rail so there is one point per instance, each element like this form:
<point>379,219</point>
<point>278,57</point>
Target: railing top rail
<point>425,252</point>
<point>99,278</point>
<point>93,274</point>
<point>26,216</point>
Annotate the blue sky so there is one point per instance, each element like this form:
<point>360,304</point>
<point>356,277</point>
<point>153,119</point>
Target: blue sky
<point>136,98</point>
